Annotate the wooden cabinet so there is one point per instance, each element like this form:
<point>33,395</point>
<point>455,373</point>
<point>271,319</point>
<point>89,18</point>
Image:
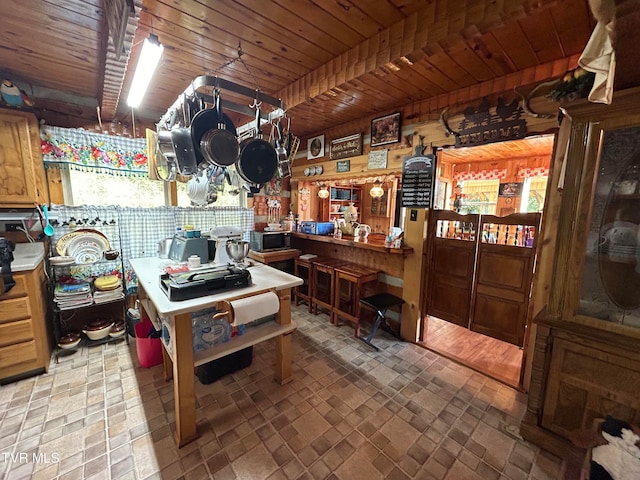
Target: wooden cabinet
<point>22,177</point>
<point>585,359</point>
<point>25,345</point>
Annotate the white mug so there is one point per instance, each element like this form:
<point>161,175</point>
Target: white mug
<point>194,261</point>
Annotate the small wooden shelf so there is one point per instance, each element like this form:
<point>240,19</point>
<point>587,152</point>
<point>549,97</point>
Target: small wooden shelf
<point>251,336</point>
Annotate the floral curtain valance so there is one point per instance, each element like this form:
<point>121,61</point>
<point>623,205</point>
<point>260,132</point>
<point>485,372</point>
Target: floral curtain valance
<point>83,150</point>
<point>533,172</point>
<point>481,175</point>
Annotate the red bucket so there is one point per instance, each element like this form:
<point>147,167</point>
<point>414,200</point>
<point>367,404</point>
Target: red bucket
<point>149,349</point>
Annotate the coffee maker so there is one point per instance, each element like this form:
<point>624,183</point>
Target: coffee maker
<point>222,235</point>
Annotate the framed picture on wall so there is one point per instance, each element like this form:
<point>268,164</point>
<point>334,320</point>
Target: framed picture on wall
<point>315,147</point>
<point>385,129</point>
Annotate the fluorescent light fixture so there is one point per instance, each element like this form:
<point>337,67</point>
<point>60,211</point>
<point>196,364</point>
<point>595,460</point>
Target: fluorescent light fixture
<point>147,63</point>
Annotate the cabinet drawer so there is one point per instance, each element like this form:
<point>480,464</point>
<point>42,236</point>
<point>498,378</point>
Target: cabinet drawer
<point>18,290</point>
<point>14,309</point>
<point>15,332</point>
<point>19,353</point>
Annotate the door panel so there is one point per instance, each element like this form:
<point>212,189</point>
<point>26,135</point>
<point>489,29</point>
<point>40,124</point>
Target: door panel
<point>451,249</point>
<point>504,273</point>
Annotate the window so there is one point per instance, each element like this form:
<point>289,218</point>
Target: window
<point>533,194</point>
<point>224,199</point>
<point>479,196</point>
<point>98,188</point>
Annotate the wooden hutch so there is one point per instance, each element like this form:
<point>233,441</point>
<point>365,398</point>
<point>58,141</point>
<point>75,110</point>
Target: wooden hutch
<point>586,358</point>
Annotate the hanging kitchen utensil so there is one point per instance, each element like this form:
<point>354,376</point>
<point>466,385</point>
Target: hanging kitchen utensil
<point>165,157</point>
<point>198,188</point>
<point>219,146</point>
<point>206,121</point>
<point>258,159</point>
<point>183,145</point>
<point>283,168</point>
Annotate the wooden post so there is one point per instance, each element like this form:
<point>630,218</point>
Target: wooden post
<point>414,235</point>
<point>184,380</point>
<point>282,367</point>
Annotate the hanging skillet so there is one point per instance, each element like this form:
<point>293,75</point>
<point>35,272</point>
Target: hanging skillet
<point>183,146</point>
<point>258,159</point>
<point>220,147</point>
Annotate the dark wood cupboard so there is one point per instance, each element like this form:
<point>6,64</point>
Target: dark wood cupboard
<point>586,358</point>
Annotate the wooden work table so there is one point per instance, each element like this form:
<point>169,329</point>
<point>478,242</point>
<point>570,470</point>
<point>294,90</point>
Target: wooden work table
<point>178,355</point>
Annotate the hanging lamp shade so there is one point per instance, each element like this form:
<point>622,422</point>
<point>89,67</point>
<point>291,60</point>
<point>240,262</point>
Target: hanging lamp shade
<point>323,192</point>
<point>376,191</point>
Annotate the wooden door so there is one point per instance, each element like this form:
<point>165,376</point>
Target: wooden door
<point>21,168</point>
<point>451,247</point>
<point>504,272</point>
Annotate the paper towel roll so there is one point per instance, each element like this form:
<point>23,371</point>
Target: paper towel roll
<point>248,309</point>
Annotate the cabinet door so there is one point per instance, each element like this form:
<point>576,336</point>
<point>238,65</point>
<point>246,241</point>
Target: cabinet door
<point>587,383</point>
<point>610,288</point>
<point>21,168</point>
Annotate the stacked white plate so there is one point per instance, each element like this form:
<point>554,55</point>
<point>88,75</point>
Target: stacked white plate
<point>62,260</point>
<point>87,248</point>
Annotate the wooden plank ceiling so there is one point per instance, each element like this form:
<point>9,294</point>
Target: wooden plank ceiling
<point>330,61</point>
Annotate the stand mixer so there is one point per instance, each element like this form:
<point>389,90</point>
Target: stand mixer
<point>222,235</point>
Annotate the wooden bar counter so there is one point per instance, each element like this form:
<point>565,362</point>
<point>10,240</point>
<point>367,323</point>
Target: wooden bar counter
<point>370,252</point>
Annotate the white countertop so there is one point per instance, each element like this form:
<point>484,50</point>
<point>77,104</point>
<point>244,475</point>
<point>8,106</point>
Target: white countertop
<point>149,269</point>
<point>27,256</point>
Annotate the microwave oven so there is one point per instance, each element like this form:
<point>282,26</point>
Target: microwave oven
<point>267,241</point>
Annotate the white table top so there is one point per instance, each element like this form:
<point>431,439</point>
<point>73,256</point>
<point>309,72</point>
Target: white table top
<point>149,269</point>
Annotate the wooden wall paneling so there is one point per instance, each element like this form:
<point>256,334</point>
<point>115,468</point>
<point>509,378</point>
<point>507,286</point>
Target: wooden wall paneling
<point>391,265</point>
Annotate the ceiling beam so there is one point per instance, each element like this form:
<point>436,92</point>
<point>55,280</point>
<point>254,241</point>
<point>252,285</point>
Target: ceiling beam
<point>424,30</point>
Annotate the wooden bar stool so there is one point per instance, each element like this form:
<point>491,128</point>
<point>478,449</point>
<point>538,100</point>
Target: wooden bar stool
<point>351,278</point>
<point>323,283</point>
<point>380,303</point>
<point>302,293</point>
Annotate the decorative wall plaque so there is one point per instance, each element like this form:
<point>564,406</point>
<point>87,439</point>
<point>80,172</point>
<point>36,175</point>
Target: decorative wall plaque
<point>343,166</point>
<point>480,126</point>
<point>346,147</point>
<point>377,159</point>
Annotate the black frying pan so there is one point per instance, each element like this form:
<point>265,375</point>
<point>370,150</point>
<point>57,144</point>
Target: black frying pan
<point>258,159</point>
<point>219,146</point>
<point>203,121</point>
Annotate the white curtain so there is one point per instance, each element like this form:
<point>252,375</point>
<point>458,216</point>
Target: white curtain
<point>137,231</point>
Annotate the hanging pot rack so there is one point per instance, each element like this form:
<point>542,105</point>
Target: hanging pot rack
<point>217,83</point>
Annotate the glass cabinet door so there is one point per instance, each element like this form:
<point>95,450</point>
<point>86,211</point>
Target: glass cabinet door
<point>610,288</point>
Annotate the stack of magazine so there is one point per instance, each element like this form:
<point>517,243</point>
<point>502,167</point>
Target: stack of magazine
<point>104,296</point>
<point>72,295</point>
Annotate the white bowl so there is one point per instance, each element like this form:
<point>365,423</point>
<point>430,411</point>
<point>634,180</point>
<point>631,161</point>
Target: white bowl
<point>98,334</point>
<point>117,334</point>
